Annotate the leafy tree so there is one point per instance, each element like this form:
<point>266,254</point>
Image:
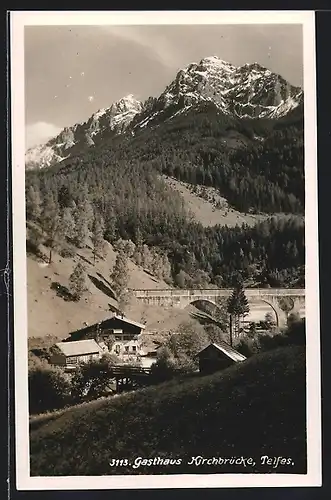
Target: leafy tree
<point>286,304</point>
<point>165,366</point>
<point>185,344</point>
<point>77,281</point>
<point>216,333</point>
<point>201,279</point>
<point>183,279</point>
<point>92,379</point>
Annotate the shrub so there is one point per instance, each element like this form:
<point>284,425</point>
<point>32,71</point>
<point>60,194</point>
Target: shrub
<point>164,368</point>
<point>49,388</point>
<point>92,379</point>
<point>248,346</point>
<point>294,335</point>
<point>67,252</point>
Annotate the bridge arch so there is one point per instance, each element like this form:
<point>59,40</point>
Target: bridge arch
<point>207,301</point>
<point>181,298</point>
<point>277,312</point>
<point>275,308</point>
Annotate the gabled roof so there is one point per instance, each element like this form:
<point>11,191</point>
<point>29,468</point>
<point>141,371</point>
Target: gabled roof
<point>127,320</point>
<point>225,349</point>
<point>93,328</point>
<point>79,347</point>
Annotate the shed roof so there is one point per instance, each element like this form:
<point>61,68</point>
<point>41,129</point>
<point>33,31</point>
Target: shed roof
<point>79,347</point>
<point>225,349</point>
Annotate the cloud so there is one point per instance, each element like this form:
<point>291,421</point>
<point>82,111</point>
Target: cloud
<point>150,39</point>
<point>39,132</point>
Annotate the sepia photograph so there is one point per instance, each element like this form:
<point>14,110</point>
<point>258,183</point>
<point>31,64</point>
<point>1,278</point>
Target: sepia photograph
<point>165,249</point>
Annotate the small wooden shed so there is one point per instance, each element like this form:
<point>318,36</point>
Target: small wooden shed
<point>216,357</point>
<point>70,354</point>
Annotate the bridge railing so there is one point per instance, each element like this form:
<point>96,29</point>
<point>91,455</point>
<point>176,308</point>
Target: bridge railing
<point>217,292</point>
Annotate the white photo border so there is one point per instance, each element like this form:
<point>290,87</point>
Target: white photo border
<point>20,19</point>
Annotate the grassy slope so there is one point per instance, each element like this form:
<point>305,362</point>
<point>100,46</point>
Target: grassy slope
<point>49,314</point>
<point>252,409</point>
<point>207,214</point>
<point>204,210</point>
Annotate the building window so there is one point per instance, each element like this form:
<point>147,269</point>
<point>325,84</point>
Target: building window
<point>126,348</point>
<point>117,348</point>
<point>134,348</point>
<point>72,360</point>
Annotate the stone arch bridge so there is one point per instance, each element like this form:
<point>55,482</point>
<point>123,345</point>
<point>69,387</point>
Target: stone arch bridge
<point>181,298</point>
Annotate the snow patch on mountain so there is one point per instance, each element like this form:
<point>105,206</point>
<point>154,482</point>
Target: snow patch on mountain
<point>42,156</point>
<point>116,118</point>
<point>246,91</point>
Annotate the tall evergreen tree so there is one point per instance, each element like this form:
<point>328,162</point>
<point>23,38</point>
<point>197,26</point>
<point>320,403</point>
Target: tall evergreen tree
<point>67,223</point>
<point>84,206</point>
<point>33,203</point>
<point>81,229</point>
<point>50,222</point>
<point>77,281</point>
<point>237,307</point>
<point>97,236</point>
<point>120,275</point>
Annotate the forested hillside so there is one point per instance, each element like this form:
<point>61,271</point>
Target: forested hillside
<point>256,164</point>
<point>115,188</point>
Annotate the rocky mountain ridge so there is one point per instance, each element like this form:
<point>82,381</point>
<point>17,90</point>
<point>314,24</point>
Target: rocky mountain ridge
<point>250,91</point>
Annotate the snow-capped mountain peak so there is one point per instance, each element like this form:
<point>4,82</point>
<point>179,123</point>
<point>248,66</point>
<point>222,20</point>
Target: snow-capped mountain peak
<point>247,91</point>
<point>250,90</point>
<point>114,119</point>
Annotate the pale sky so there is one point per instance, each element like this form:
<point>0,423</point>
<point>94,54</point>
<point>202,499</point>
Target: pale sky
<point>72,71</point>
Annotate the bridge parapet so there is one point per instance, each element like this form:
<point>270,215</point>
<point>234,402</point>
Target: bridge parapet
<point>218,292</point>
<point>180,298</point>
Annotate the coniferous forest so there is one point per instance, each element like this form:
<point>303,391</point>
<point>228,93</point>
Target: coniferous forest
<point>256,164</point>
